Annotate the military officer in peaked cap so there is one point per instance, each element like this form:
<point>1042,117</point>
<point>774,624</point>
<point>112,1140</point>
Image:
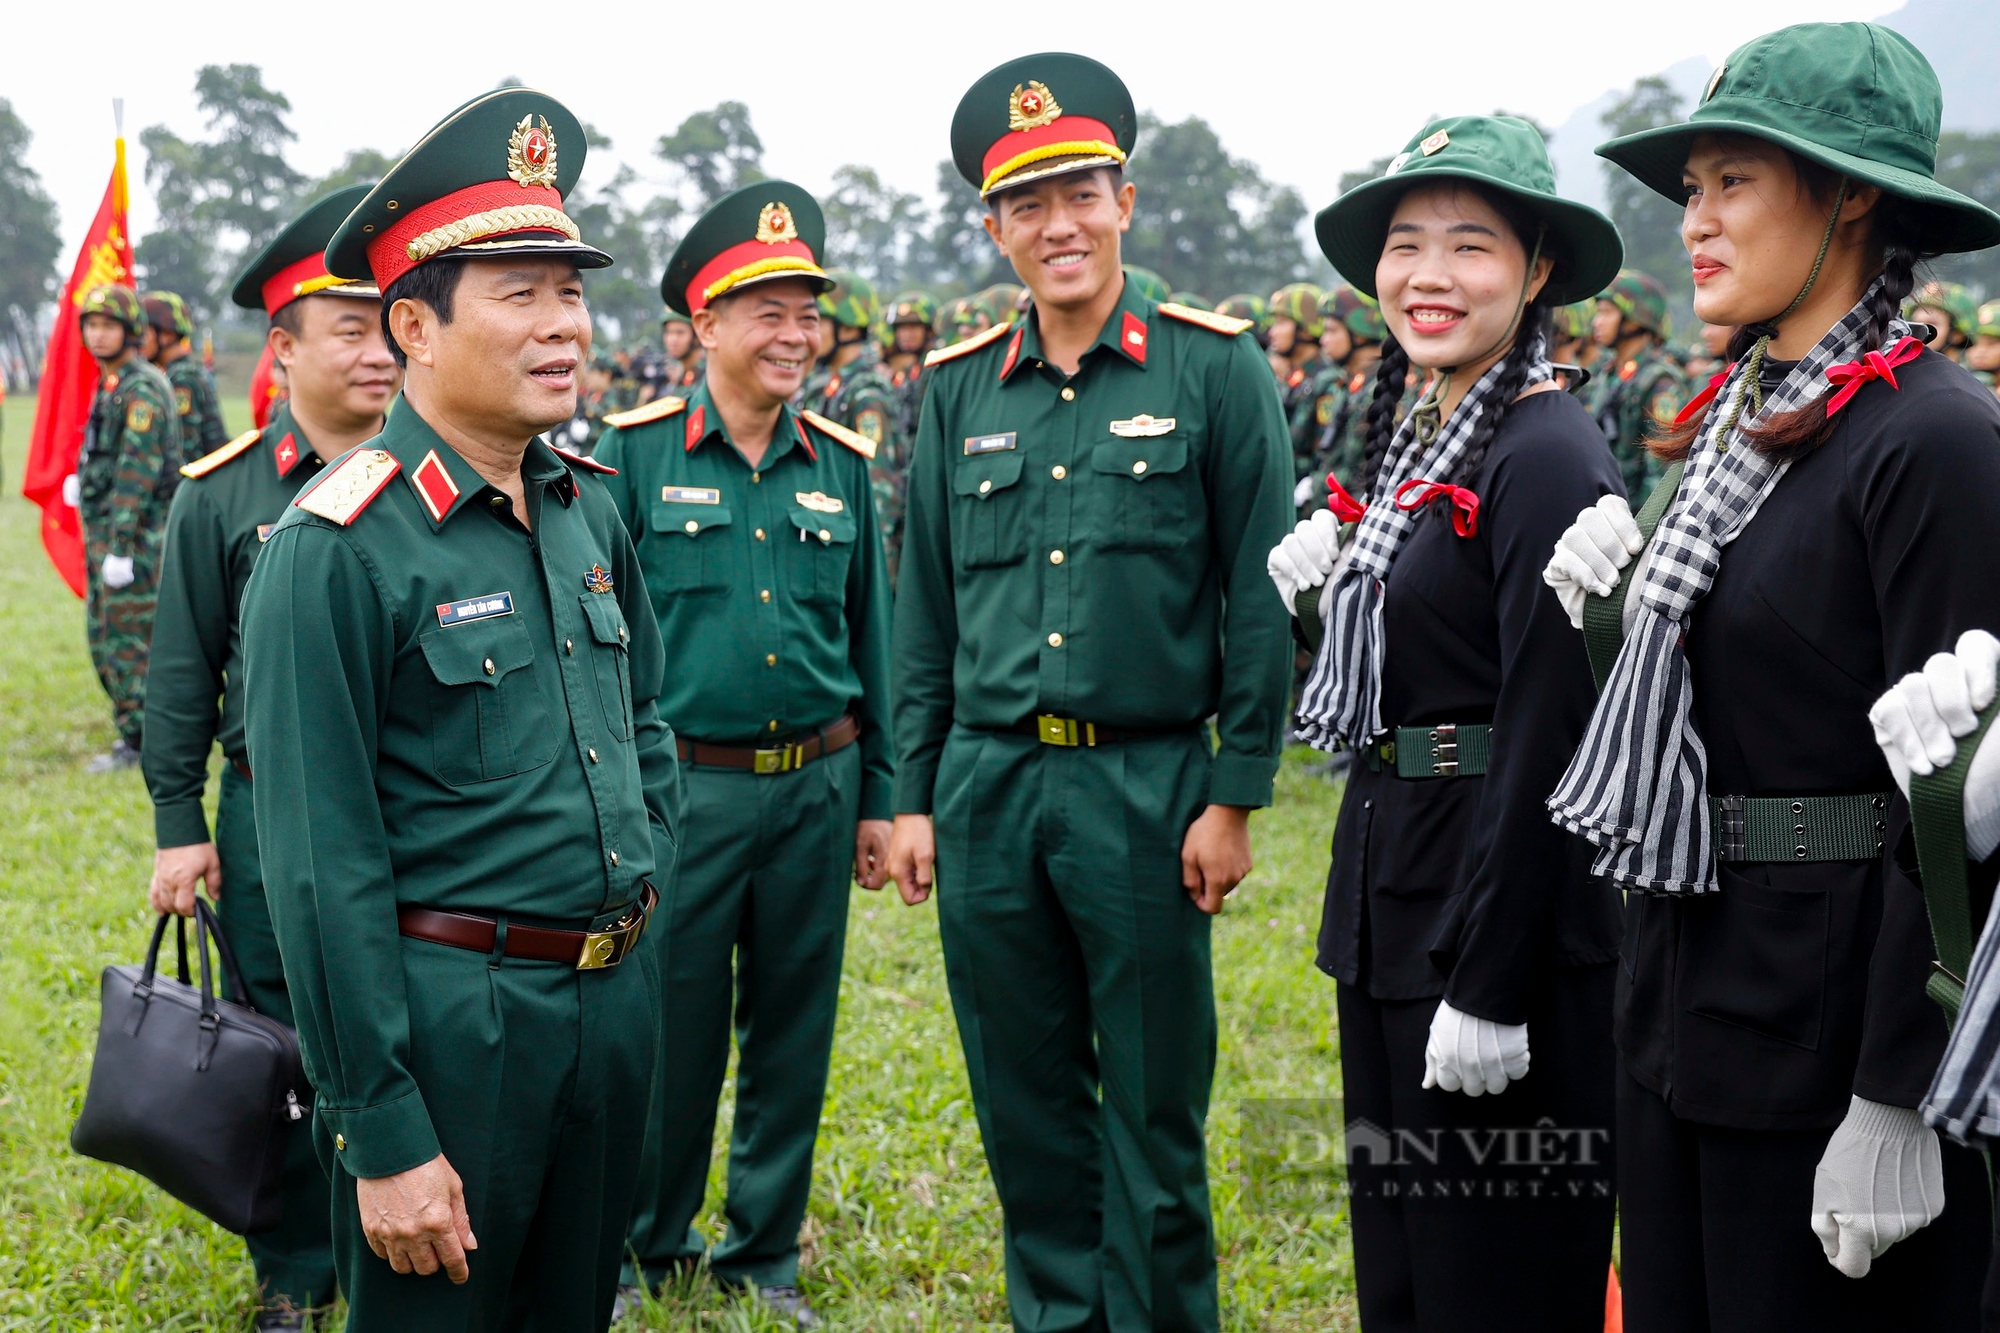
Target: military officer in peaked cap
<point>1093,485</point>
<point>756,530</point>
<point>327,332</point>
<point>465,793</point>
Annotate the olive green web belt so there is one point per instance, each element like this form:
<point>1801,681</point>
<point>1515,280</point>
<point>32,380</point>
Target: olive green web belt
<point>1447,750</point>
<point>1799,828</point>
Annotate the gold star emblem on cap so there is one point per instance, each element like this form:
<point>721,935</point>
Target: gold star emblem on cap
<point>775,225</point>
<point>531,153</point>
<point>1032,106</point>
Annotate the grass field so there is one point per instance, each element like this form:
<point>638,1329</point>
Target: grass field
<point>903,1232</point>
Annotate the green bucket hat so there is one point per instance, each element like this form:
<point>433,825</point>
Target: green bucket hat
<point>1500,153</point>
<point>1858,98</point>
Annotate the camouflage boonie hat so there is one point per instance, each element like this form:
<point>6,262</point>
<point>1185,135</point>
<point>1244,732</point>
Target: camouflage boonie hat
<point>1245,306</point>
<point>1192,301</point>
<point>1298,302</point>
<point>116,301</point>
<point>1359,313</point>
<point>168,313</point>
<point>1987,325</point>
<point>1572,321</point>
<point>1951,298</point>
<point>959,320</point>
<point>1001,301</point>
<point>850,302</point>
<point>914,308</point>
<point>1150,284</point>
<point>1641,299</point>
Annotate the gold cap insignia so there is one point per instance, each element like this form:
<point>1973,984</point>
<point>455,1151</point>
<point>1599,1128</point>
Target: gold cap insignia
<point>1031,107</point>
<point>1714,82</point>
<point>1434,143</point>
<point>1143,427</point>
<point>775,225</point>
<point>531,153</point>
<point>819,502</point>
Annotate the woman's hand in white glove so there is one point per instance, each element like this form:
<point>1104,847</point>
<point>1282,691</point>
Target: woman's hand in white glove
<point>1919,721</point>
<point>1880,1180</point>
<point>1590,553</point>
<point>1305,557</point>
<point>1473,1055</point>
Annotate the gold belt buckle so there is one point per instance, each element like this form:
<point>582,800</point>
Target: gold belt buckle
<point>607,948</point>
<point>1053,730</point>
<point>781,760</point>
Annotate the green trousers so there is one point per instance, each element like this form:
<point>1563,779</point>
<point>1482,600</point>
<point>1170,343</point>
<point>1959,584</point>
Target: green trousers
<point>766,865</point>
<point>295,1262</point>
<point>535,1075</point>
<point>119,625</point>
<point>1079,973</point>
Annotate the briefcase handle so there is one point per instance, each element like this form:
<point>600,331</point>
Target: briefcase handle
<point>205,927</point>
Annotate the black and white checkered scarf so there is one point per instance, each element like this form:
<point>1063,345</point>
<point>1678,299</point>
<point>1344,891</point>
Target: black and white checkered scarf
<point>1964,1098</point>
<point>1342,700</point>
<point>1638,786</point>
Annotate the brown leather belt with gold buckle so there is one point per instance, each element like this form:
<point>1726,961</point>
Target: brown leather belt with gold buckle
<point>777,759</point>
<point>1050,729</point>
<point>586,949</point>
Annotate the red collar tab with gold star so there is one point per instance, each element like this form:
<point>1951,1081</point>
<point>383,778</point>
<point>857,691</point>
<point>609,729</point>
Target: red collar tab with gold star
<point>697,426</point>
<point>286,455</point>
<point>1132,337</point>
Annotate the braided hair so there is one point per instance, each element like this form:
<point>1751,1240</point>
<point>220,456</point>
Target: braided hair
<point>1534,330</point>
<point>1392,374</point>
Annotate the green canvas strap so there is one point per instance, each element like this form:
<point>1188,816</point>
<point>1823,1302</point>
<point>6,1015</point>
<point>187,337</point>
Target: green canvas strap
<point>1306,604</point>
<point>1604,617</point>
<point>1444,750</point>
<point>1799,828</point>
<point>1937,819</point>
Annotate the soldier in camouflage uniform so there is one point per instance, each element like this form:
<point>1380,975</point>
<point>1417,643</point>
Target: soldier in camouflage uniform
<point>1983,357</point>
<point>911,333</point>
<point>1001,301</point>
<point>684,354</point>
<point>169,344</point>
<point>1644,388</point>
<point>1571,344</point>
<point>960,319</point>
<point>1243,305</point>
<point>125,472</point>
<point>851,388</point>
<point>1340,412</point>
<point>1947,308</point>
<point>1296,324</point>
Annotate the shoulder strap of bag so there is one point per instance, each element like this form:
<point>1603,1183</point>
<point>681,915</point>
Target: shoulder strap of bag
<point>1937,819</point>
<point>1604,617</point>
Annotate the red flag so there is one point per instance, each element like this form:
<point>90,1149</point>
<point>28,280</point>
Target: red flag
<point>264,389</point>
<point>69,382</point>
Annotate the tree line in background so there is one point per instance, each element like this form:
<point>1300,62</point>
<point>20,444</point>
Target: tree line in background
<point>1206,221</point>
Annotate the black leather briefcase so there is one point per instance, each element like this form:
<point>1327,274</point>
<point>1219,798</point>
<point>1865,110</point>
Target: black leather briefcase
<point>199,1095</point>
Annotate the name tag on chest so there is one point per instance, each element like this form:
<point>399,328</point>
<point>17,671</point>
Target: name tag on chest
<point>476,608</point>
<point>691,495</point>
<point>989,444</point>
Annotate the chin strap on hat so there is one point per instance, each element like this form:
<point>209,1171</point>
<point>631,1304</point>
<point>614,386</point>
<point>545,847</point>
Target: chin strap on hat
<point>1753,366</point>
<point>1428,414</point>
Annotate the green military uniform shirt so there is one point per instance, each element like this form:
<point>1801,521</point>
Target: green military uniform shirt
<point>769,581</point>
<point>130,459</point>
<point>195,402</point>
<point>448,709</point>
<point>1094,546</point>
<point>225,509</point>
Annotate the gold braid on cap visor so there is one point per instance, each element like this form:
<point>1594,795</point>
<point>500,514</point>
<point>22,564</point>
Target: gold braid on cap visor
<point>1070,148</point>
<point>520,217</point>
<point>319,284</point>
<point>775,264</point>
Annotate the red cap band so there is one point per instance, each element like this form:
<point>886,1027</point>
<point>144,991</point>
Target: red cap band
<point>743,255</point>
<point>282,288</point>
<point>389,253</point>
<point>1061,130</point>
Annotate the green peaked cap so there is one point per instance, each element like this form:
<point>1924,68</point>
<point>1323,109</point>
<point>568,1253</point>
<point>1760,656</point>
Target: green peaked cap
<point>1856,97</point>
<point>524,147</point>
<point>303,237</point>
<point>1039,116</point>
<point>785,212</point>
<point>1499,153</point>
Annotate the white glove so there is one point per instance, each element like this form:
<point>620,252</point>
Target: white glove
<point>1918,721</point>
<point>1473,1055</point>
<point>1305,557</point>
<point>117,571</point>
<point>1590,553</point>
<point>1880,1180</point>
<point>73,491</point>
<point>1303,491</point>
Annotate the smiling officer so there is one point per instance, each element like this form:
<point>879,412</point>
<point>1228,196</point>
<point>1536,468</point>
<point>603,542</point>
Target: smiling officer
<point>464,788</point>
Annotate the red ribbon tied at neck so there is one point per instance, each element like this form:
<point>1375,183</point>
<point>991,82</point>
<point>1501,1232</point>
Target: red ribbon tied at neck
<point>1851,375</point>
<point>1701,400</point>
<point>1344,506</point>
<point>1464,504</point>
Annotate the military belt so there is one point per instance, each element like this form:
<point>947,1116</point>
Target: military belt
<point>1799,828</point>
<point>1443,750</point>
<point>1052,729</point>
<point>773,760</point>
<point>587,950</point>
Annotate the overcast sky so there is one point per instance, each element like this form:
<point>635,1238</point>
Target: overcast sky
<point>1306,90</point>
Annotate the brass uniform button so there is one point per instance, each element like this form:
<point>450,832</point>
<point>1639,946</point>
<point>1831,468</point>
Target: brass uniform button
<point>622,636</point>
<point>340,1143</point>
<point>1055,557</point>
<point>1139,468</point>
<point>593,755</point>
<point>692,526</point>
<point>498,502</point>
<point>1055,640</point>
<point>489,666</point>
<point>764,595</point>
<point>825,536</point>
<point>1068,394</point>
<point>614,858</point>
<point>756,478</point>
<point>985,486</point>
<point>760,534</point>
<point>569,646</point>
<point>770,659</point>
<point>774,724</point>
<point>1058,472</point>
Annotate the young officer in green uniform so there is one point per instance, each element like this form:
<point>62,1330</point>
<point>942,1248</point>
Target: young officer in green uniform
<point>170,346</point>
<point>755,527</point>
<point>465,793</point>
<point>1090,488</point>
<point>125,475</point>
<point>328,336</point>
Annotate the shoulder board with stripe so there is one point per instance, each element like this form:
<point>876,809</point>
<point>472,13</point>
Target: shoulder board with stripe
<point>854,440</point>
<point>939,355</point>
<point>209,462</point>
<point>657,410</point>
<point>578,460</point>
<point>349,485</point>
<point>1228,325</point>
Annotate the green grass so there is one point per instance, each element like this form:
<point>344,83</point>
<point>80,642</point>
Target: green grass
<point>903,1231</point>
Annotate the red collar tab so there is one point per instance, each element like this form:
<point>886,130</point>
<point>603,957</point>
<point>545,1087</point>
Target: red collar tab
<point>1013,350</point>
<point>805,441</point>
<point>587,464</point>
<point>1344,506</point>
<point>1699,403</point>
<point>1464,504</point>
<point>1132,337</point>
<point>697,426</point>
<point>1296,378</point>
<point>1851,375</point>
<point>286,455</point>
<point>434,486</point>
<point>832,387</point>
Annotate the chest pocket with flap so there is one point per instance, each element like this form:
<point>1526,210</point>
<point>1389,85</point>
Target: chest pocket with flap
<point>1144,493</point>
<point>686,551</point>
<point>823,548</point>
<point>612,660</point>
<point>989,510</point>
<point>489,715</point>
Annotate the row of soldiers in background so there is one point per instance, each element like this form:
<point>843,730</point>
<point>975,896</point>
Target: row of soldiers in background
<point>155,407</point>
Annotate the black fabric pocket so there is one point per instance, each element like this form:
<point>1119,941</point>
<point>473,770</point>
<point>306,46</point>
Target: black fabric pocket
<point>1756,957</point>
